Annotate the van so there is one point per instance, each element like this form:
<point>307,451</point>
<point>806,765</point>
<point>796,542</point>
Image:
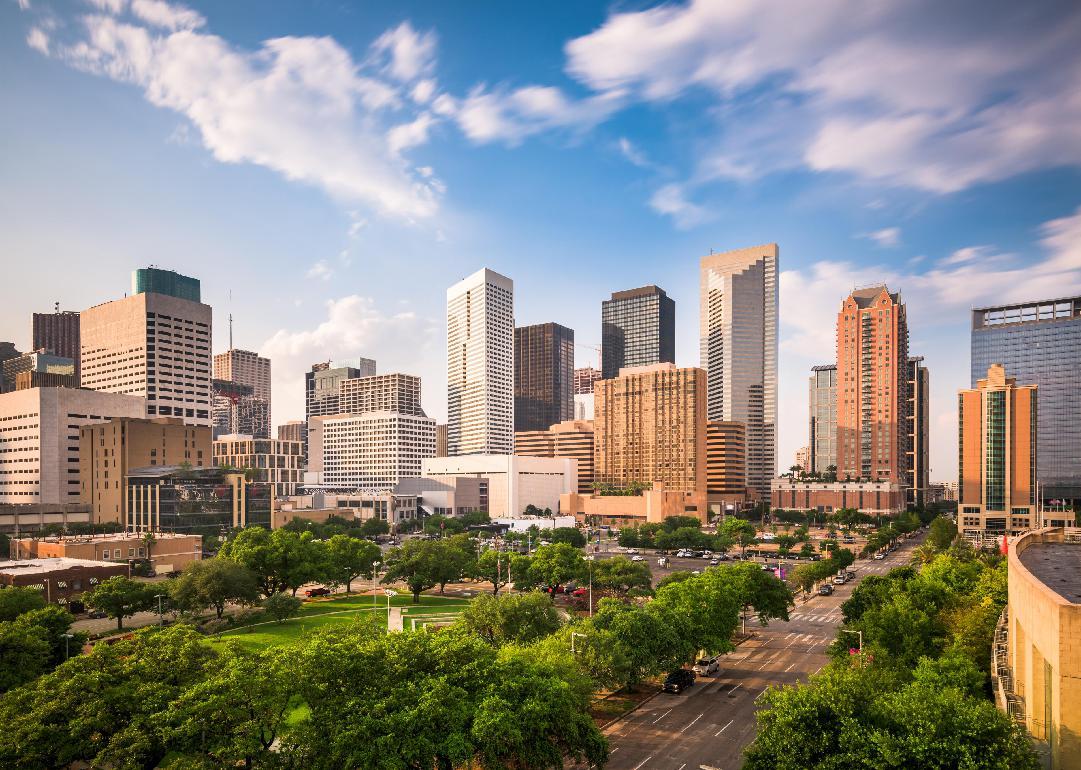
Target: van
<point>707,665</point>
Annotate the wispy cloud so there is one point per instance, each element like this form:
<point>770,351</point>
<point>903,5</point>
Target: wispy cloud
<point>321,270</point>
<point>887,237</point>
<point>671,200</point>
<point>632,153</point>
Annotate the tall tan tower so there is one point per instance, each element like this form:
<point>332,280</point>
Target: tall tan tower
<point>996,471</point>
<point>872,386</point>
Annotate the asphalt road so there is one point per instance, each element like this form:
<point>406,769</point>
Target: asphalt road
<point>709,726</point>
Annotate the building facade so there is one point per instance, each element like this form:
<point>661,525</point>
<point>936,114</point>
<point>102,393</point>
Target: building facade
<point>41,363</point>
<point>726,465</point>
<point>822,426</point>
<point>107,451</point>
<point>652,506</point>
<point>870,497</point>
<point>872,386</point>
<point>272,461</point>
<point>543,376</point>
<point>1039,343</point>
<point>512,482</point>
<point>371,451</point>
<point>166,552</point>
<point>59,333</point>
<point>321,384</point>
<point>583,406</point>
<point>917,454</point>
<point>60,580</point>
<point>571,439</point>
<point>738,348</point>
<point>247,368</point>
<point>638,328</point>
<point>380,393</point>
<point>441,439</point>
<point>584,377</point>
<point>39,440</point>
<point>296,430</point>
<point>154,346</point>
<point>236,409</point>
<point>154,280</point>
<point>480,365</point>
<point>997,456</point>
<point>197,501</point>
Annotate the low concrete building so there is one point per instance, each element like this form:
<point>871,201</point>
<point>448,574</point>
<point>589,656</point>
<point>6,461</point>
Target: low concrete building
<point>871,497</point>
<point>652,506</point>
<point>1036,665</point>
<point>166,553</point>
<point>59,579</point>
<point>513,483</point>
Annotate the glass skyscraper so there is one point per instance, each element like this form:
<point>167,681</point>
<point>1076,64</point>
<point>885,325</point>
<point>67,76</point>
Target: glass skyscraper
<point>1039,343</point>
<point>543,376</point>
<point>638,328</point>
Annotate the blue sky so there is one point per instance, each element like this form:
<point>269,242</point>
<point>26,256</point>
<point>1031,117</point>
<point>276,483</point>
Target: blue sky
<point>328,169</point>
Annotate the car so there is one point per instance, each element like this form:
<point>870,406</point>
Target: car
<point>880,556</point>
<point>632,550</point>
<point>679,680</point>
<point>714,562</point>
<point>96,615</point>
<point>838,580</point>
<point>636,557</point>
<point>580,592</point>
<point>696,572</point>
<point>707,554</point>
<point>825,589</point>
<point>317,592</point>
<point>723,557</point>
<point>707,665</point>
<point>570,588</point>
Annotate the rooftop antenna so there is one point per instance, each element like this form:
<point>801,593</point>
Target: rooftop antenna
<point>230,320</point>
<point>56,306</point>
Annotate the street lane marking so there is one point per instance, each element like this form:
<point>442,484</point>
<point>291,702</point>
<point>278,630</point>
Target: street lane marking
<point>693,721</point>
<point>613,751</point>
<point>789,668</point>
<point>724,728</point>
<point>643,762</point>
<point>734,689</point>
<point>682,766</point>
<point>757,697</point>
<point>662,716</point>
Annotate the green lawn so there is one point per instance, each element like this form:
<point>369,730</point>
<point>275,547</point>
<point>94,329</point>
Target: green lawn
<point>336,612</point>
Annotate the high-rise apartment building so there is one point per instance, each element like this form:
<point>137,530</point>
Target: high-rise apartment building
<point>803,459</point>
<point>296,430</point>
<point>997,456</point>
<point>39,439</point>
<point>58,333</point>
<point>108,451</point>
<point>152,345</point>
<point>571,439</point>
<point>235,409</point>
<point>543,376</point>
<point>371,451</point>
<point>822,426</point>
<point>650,426</point>
<point>480,365</point>
<point>584,377</point>
<point>275,462</point>
<point>726,465</point>
<point>738,336</point>
<point>872,386</point>
<point>1039,343</point>
<point>917,455</point>
<point>321,384</point>
<point>638,328</point>
<point>246,368</point>
<point>380,393</point>
<point>441,439</point>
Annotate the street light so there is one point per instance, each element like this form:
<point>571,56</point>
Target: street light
<point>389,592</point>
<point>161,617</point>
<point>67,643</point>
<point>574,634</point>
<point>590,590</point>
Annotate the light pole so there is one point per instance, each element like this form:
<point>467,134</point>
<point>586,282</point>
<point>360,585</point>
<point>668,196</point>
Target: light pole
<point>574,634</point>
<point>67,643</point>
<point>859,651</point>
<point>161,616</point>
<point>389,592</point>
<point>590,590</point>
<point>375,574</point>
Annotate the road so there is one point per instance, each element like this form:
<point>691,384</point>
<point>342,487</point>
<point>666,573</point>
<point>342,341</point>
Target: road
<point>709,726</point>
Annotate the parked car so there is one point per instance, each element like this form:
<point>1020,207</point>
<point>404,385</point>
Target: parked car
<point>636,557</point>
<point>679,680</point>
<point>580,592</point>
<point>825,589</point>
<point>317,592</point>
<point>838,580</point>
<point>707,665</point>
<point>96,615</point>
<point>632,550</point>
<point>714,562</point>
<point>880,556</point>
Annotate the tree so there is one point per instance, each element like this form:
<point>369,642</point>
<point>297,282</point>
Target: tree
<point>348,558</point>
<point>672,523</point>
<point>738,531</point>
<point>457,557</point>
<point>640,642</point>
<point>24,654</point>
<point>17,600</point>
<point>120,597</point>
<point>54,623</point>
<point>281,559</point>
<point>281,607</point>
<point>417,563</point>
<point>517,619</point>
<point>374,527</point>
<point>570,535</point>
<point>942,533</point>
<point>213,583</point>
<point>557,563</point>
<point>500,568</point>
<point>707,608</point>
<point>619,575</point>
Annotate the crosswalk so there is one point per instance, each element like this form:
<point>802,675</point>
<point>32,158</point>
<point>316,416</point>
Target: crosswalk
<point>832,616</point>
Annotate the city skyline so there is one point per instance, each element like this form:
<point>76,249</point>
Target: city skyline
<point>317,273</point>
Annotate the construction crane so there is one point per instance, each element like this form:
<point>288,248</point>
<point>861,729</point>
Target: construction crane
<point>595,348</point>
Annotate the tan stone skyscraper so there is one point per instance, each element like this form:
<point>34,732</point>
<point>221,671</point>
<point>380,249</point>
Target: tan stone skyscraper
<point>872,386</point>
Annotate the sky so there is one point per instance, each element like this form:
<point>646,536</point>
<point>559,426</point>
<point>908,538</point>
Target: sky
<point>328,169</point>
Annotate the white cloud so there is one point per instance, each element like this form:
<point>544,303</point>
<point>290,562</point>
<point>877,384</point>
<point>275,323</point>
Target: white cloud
<point>423,91</point>
<point>38,40</point>
<point>407,135</point>
<point>321,270</point>
<point>24,5</point>
<point>511,115</point>
<point>632,153</point>
<point>409,54</point>
<point>356,226</point>
<point>1062,238</point>
<point>671,200</point>
<point>887,237</point>
<point>301,106</point>
<point>109,6</point>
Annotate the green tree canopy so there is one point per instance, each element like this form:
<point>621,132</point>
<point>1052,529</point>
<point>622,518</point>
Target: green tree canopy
<point>557,563</point>
<point>213,583</point>
<point>24,654</point>
<point>348,558</point>
<point>281,559</point>
<point>121,597</point>
<point>500,568</point>
<point>570,535</point>
<point>517,618</point>
<point>17,600</point>
<point>282,607</point>
<point>618,575</point>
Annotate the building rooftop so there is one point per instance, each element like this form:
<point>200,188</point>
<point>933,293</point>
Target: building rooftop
<point>865,295</point>
<point>1057,566</point>
<point>642,291</point>
<point>104,538</point>
<point>43,566</point>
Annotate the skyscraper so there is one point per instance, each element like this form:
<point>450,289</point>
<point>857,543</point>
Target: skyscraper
<point>638,328</point>
<point>321,384</point>
<point>738,328</point>
<point>236,410</point>
<point>543,376</point>
<point>246,368</point>
<point>380,393</point>
<point>872,386</point>
<point>480,365</point>
<point>822,428</point>
<point>152,345</point>
<point>1039,343</point>
<point>917,457</point>
<point>584,377</point>
<point>58,333</point>
<point>997,457</point>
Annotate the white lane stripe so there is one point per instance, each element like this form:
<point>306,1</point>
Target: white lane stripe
<point>662,716</point>
<point>636,767</point>
<point>735,688</point>
<point>692,722</point>
<point>789,667</point>
<point>722,730</point>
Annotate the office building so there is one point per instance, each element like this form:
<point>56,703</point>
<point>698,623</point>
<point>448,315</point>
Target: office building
<point>60,580</point>
<point>997,457</point>
<point>872,386</point>
<point>652,506</point>
<point>738,348</point>
<point>1039,343</point>
<point>870,497</point>
<point>275,462</point>
<point>152,345</point>
<point>168,552</point>
<point>380,393</point>
<point>58,333</point>
<point>321,384</point>
<point>917,454</point>
<point>584,377</point>
<point>296,430</point>
<point>24,518</point>
<point>441,439</point>
<point>8,351</point>
<point>27,380</point>
<point>1036,655</point>
<point>108,450</point>
<point>154,280</point>
<point>638,328</point>
<point>822,428</point>
<point>247,368</point>
<point>196,501</point>
<point>371,451</point>
<point>543,376</point>
<point>650,427</point>
<point>803,459</point>
<point>41,363</point>
<point>480,365</point>
<point>39,440</point>
<point>572,439</point>
<point>511,483</point>
<point>237,410</point>
<point>726,465</point>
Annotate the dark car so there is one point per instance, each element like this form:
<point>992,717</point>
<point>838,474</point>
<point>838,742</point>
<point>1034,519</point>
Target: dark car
<point>825,589</point>
<point>679,680</point>
<point>317,592</point>
<point>96,615</point>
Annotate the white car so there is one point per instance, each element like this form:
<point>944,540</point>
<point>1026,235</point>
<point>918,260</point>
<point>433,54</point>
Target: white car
<point>707,665</point>
<point>632,550</point>
<point>636,557</point>
<point>880,556</point>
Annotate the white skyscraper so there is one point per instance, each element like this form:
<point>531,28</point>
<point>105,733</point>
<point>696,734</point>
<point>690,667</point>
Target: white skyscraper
<point>738,305</point>
<point>480,365</point>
